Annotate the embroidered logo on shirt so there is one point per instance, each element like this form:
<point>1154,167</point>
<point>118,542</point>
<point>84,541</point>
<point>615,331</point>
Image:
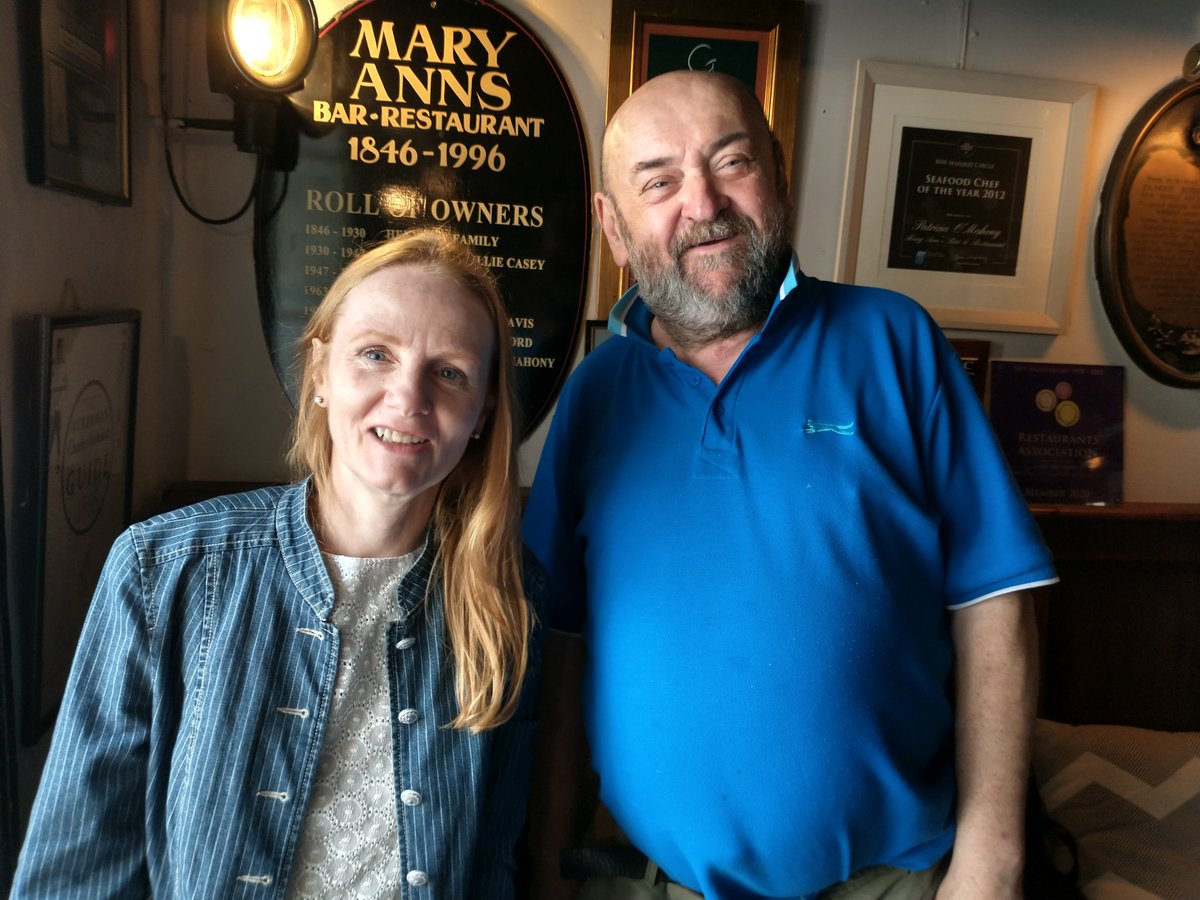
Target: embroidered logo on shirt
<point>811,427</point>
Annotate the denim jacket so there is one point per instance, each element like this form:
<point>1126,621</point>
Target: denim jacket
<point>188,740</point>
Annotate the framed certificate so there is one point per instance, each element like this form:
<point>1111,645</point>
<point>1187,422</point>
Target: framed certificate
<point>75,79</point>
<point>964,191</point>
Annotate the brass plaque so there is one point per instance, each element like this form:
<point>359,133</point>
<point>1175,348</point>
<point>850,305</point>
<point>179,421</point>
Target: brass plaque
<point>1148,237</point>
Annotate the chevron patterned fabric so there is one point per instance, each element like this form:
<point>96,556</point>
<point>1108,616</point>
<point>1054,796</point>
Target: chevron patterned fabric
<point>1131,799</point>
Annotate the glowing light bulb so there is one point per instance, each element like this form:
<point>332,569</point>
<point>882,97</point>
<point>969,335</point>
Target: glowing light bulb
<point>270,39</point>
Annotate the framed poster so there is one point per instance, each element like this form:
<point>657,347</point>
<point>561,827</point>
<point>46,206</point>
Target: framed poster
<point>10,831</point>
<point>75,74</point>
<point>974,355</point>
<point>1148,237</point>
<point>1062,429</point>
<point>596,333</point>
<point>964,191</point>
<point>757,43</point>
<point>78,464</point>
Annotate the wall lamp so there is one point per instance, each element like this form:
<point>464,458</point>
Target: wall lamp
<point>1191,64</point>
<point>258,52</point>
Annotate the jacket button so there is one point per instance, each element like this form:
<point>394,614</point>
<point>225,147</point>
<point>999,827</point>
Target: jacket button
<point>405,642</point>
<point>417,878</point>
<point>408,716</point>
<point>410,798</point>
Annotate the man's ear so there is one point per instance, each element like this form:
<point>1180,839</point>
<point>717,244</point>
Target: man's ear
<point>606,215</point>
<point>781,172</point>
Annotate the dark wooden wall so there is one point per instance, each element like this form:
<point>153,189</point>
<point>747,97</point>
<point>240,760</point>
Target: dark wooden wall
<point>1120,633</point>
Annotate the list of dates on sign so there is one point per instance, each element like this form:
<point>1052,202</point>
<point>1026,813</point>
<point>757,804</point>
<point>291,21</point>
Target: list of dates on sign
<point>327,248</point>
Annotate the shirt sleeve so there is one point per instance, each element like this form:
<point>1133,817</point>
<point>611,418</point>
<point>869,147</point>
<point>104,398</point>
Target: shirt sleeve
<point>510,765</point>
<point>990,541</point>
<point>86,835</point>
<point>550,527</point>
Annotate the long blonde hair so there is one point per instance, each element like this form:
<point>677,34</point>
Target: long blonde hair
<point>477,511</point>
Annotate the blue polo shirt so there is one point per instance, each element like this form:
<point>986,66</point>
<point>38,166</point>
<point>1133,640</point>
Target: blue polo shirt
<point>762,570</point>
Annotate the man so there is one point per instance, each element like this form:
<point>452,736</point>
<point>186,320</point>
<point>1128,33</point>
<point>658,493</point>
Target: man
<point>775,510</point>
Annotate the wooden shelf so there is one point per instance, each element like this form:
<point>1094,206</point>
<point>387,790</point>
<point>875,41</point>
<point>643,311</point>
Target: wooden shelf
<point>1133,532</point>
<point>1120,633</point>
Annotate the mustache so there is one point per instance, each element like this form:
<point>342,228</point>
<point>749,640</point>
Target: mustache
<point>725,226</point>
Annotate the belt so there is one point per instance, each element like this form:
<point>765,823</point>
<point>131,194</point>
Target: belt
<point>608,862</point>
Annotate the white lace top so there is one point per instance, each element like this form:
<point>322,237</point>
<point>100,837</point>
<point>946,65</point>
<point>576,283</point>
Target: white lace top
<point>350,843</point>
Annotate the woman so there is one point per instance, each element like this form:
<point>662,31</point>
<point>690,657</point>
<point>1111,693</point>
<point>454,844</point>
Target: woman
<point>323,689</point>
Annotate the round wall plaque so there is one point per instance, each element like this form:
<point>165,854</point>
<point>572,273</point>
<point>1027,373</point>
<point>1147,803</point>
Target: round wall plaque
<point>1148,237</point>
<point>444,113</point>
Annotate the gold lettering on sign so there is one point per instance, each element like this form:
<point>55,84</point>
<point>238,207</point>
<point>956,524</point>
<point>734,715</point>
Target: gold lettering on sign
<point>430,71</point>
<point>382,44</point>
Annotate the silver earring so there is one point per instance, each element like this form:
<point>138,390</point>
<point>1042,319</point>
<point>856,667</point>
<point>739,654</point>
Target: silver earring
<point>476,435</point>
<point>318,399</point>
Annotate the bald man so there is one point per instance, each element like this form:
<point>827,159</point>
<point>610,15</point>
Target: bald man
<point>787,559</point>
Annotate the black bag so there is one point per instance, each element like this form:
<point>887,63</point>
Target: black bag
<point>1051,857</point>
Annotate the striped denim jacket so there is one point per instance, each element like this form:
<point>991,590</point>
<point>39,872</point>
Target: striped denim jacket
<point>188,740</point>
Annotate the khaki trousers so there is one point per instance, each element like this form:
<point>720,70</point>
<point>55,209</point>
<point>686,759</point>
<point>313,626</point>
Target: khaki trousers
<point>875,883</point>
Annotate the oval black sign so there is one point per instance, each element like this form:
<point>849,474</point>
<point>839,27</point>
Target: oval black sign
<point>445,113</point>
<point>1148,237</point>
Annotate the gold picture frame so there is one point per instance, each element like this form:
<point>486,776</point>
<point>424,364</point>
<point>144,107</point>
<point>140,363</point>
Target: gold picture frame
<point>761,44</point>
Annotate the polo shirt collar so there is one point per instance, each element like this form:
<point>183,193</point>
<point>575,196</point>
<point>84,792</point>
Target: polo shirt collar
<point>630,317</point>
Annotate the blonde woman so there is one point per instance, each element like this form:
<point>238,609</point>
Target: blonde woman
<point>323,689</point>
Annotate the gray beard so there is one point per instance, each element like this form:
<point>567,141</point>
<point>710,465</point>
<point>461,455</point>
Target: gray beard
<point>690,315</point>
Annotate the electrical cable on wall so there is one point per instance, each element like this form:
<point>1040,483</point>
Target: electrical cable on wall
<point>212,124</point>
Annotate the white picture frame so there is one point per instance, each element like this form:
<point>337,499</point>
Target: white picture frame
<point>1050,120</point>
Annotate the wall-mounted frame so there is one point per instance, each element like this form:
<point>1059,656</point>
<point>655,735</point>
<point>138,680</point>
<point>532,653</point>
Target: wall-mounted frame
<point>78,462</point>
<point>75,83</point>
<point>964,191</point>
<point>10,832</point>
<point>595,333</point>
<point>759,43</point>
<point>974,355</point>
<point>1148,236</point>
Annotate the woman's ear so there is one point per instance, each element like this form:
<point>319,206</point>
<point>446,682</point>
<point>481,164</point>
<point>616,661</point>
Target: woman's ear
<point>488,408</point>
<point>316,366</point>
